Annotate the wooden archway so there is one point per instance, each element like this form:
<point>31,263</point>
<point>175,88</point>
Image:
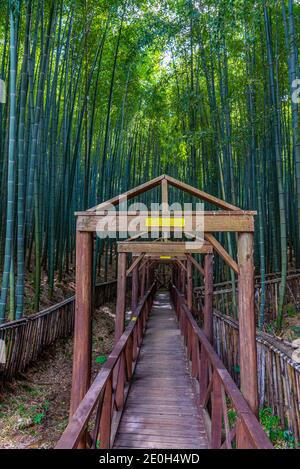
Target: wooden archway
<point>228,219</point>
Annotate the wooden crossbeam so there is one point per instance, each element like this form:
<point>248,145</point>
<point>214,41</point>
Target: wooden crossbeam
<point>165,257</point>
<point>222,252</point>
<point>165,203</point>
<point>196,264</point>
<point>132,238</point>
<point>129,194</point>
<point>200,194</point>
<point>219,221</point>
<point>134,264</point>
<point>162,248</point>
<point>181,265</point>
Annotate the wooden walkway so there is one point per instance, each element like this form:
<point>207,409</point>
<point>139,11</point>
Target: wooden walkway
<point>161,409</point>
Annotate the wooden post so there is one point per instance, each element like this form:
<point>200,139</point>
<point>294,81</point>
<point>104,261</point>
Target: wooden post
<point>207,323</point>
<point>182,280</point>
<point>134,289</point>
<point>208,296</point>
<point>143,280</point>
<point>105,421</point>
<point>121,296</point>
<point>83,320</point>
<point>165,203</point>
<point>189,292</point>
<point>247,331</point>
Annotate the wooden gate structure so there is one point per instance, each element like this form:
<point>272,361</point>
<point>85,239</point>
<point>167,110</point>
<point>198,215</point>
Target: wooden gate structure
<point>164,385</point>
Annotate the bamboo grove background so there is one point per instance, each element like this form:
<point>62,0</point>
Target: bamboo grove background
<point>99,96</point>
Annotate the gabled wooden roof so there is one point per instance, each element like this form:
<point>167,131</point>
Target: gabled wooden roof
<point>229,218</point>
<point>173,182</point>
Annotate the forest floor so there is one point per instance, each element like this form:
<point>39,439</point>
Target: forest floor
<point>63,289</point>
<point>34,407</point>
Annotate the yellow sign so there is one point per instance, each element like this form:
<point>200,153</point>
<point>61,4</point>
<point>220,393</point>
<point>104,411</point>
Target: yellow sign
<point>165,222</point>
<point>134,318</point>
<point>165,257</point>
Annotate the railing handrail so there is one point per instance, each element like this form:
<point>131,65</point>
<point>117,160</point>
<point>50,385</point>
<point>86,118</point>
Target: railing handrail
<point>255,432</point>
<point>49,309</point>
<point>271,281</point>
<point>78,422</point>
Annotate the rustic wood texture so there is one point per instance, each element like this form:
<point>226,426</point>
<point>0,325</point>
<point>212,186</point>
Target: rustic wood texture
<point>239,221</point>
<point>163,248</point>
<point>251,434</point>
<point>247,336</point>
<point>161,409</point>
<point>200,194</point>
<point>222,252</point>
<point>83,319</point>
<point>121,296</point>
<point>278,377</point>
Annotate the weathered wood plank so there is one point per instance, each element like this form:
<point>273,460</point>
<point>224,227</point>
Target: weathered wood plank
<point>222,252</point>
<point>238,221</point>
<point>161,409</point>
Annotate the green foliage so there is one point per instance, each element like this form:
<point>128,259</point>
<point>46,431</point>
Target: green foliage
<point>232,416</point>
<point>272,426</point>
<point>38,418</point>
<point>101,359</point>
<point>110,94</point>
<point>290,310</point>
<point>296,330</point>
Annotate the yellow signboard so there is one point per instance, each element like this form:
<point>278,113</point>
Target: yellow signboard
<point>165,257</point>
<point>165,222</point>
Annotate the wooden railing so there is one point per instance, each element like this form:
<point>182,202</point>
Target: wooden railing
<point>96,419</point>
<point>222,294</point>
<point>218,392</point>
<point>23,340</point>
<point>278,374</point>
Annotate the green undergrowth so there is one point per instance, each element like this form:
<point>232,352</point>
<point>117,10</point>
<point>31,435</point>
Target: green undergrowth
<point>280,438</point>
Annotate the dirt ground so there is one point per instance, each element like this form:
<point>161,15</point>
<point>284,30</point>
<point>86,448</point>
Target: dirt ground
<point>62,289</point>
<point>34,407</point>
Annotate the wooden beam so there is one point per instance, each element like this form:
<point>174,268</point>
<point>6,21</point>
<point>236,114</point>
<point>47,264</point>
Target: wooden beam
<point>168,258</point>
<point>247,331</point>
<point>134,290</point>
<point>134,264</point>
<point>163,248</point>
<point>189,284</point>
<point>200,194</point>
<point>196,264</point>
<point>222,252</point>
<point>129,194</point>
<point>165,203</point>
<point>132,238</point>
<point>180,263</point>
<point>83,320</point>
<point>208,296</point>
<point>235,221</point>
<point>164,196</point>
<point>207,322</point>
<point>121,296</point>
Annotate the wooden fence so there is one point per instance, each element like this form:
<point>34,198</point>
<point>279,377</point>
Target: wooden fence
<point>23,340</point>
<point>278,375</point>
<point>222,294</point>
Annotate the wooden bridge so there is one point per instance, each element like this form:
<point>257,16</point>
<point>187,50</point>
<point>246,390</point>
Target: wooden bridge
<point>163,386</point>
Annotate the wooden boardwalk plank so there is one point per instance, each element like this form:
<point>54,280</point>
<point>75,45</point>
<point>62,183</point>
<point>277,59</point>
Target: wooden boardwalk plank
<point>161,409</point>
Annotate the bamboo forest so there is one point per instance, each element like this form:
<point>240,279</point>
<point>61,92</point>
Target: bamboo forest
<point>168,103</point>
